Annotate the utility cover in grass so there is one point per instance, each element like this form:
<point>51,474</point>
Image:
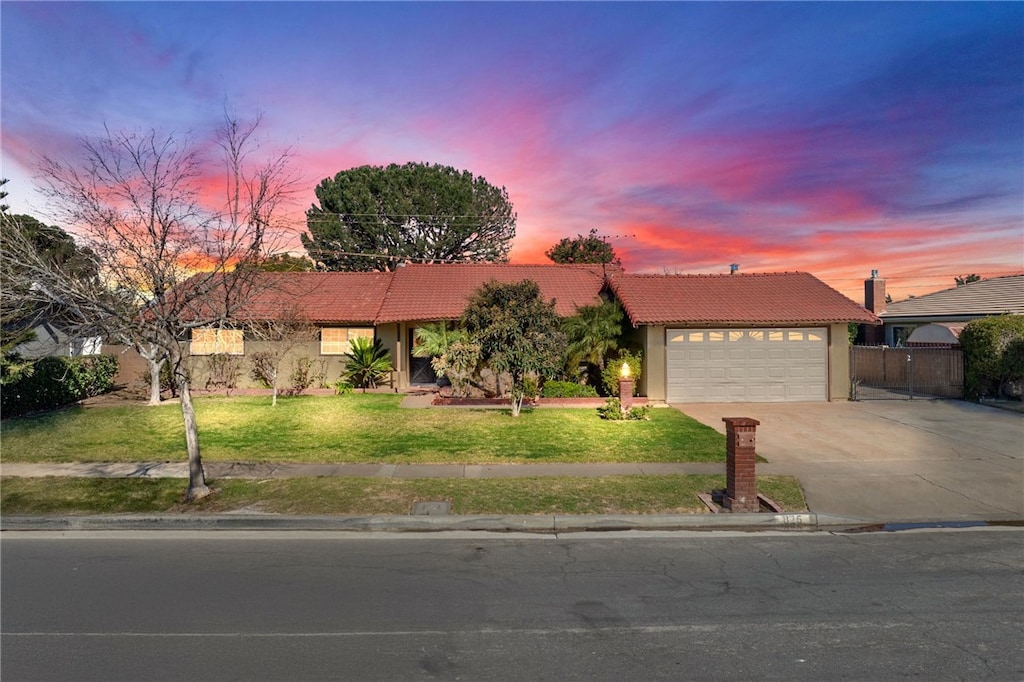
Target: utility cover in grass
<point>431,508</point>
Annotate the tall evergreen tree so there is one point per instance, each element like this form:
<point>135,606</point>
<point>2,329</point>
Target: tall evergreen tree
<point>373,218</point>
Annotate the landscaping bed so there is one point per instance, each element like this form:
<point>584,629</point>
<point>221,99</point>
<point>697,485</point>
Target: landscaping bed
<point>450,401</point>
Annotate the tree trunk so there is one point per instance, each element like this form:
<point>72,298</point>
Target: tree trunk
<point>197,488</point>
<point>517,404</point>
<point>154,380</point>
<point>151,355</point>
<point>273,401</point>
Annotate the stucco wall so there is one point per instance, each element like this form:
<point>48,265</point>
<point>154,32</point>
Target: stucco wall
<point>655,370</point>
<point>838,362</point>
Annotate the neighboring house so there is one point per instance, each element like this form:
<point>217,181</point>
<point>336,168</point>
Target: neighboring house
<point>705,338</point>
<point>936,335</point>
<point>51,340</point>
<point>956,306</point>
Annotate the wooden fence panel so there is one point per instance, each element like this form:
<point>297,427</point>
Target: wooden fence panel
<point>880,372</point>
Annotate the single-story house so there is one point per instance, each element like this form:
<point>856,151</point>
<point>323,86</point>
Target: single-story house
<point>705,338</point>
<point>956,306</point>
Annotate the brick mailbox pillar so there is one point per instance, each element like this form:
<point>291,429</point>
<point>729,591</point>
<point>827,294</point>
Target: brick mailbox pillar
<point>625,388</point>
<point>740,457</point>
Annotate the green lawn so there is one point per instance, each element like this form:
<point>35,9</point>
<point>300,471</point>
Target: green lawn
<point>368,496</point>
<point>354,428</point>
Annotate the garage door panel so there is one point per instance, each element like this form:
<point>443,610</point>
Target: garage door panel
<point>760,365</point>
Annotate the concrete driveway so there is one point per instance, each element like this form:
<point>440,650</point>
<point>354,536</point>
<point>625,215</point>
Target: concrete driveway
<point>920,460</point>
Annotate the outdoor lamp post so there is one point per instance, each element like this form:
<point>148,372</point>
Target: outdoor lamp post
<point>625,388</point>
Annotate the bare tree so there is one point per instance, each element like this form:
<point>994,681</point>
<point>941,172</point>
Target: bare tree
<point>169,262</point>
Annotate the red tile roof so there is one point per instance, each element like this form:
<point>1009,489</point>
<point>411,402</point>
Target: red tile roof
<point>761,299</point>
<point>318,296</point>
<point>440,292</point>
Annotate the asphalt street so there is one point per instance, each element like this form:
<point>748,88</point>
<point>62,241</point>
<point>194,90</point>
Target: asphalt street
<point>220,605</point>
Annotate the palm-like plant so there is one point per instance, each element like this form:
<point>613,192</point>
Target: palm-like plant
<point>592,333</point>
<point>368,363</point>
<point>434,340</point>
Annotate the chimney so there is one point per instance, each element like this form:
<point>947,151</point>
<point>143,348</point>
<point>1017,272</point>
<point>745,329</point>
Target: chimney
<point>734,268</point>
<point>874,300</point>
<point>874,293</point>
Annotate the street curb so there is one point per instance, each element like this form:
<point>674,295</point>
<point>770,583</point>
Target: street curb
<point>403,524</point>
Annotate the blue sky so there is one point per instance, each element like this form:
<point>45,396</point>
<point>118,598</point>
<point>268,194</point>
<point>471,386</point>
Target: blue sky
<point>834,138</point>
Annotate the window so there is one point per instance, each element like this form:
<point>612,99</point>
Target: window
<point>215,341</point>
<point>338,340</point>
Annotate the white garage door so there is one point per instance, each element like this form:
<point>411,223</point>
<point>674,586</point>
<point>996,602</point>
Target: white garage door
<point>747,365</point>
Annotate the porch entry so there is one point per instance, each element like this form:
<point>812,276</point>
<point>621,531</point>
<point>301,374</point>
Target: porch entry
<point>884,373</point>
<point>421,372</point>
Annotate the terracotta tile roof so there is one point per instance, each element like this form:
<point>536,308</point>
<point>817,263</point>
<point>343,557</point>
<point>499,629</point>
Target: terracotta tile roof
<point>977,299</point>
<point>318,296</point>
<point>760,299</point>
<point>440,292</point>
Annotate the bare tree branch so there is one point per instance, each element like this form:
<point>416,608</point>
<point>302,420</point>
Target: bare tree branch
<point>168,262</point>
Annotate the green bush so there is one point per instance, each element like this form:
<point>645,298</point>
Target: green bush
<point>368,363</point>
<point>568,389</point>
<point>993,355</point>
<point>613,370</point>
<point>612,410</point>
<point>59,381</point>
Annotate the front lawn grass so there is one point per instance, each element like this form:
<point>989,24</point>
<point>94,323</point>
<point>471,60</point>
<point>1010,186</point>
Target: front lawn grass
<point>368,496</point>
<point>354,428</point>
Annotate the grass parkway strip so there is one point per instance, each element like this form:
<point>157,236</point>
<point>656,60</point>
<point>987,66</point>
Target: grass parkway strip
<point>371,497</point>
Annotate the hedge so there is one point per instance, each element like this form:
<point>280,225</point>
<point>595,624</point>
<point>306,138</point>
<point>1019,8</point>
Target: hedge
<point>993,355</point>
<point>57,381</point>
<point>567,389</point>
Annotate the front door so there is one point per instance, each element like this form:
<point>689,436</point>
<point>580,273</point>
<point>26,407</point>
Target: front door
<point>420,370</point>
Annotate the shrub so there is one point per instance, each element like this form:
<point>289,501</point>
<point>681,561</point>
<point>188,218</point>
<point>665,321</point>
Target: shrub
<point>567,389</point>
<point>459,364</point>
<point>612,410</point>
<point>303,375</point>
<point>224,370</point>
<point>59,381</point>
<point>342,387</point>
<point>368,363</point>
<point>613,370</point>
<point>264,367</point>
<point>993,355</point>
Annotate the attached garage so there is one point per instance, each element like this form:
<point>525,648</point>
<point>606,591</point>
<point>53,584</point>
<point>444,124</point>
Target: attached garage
<point>746,365</point>
<point>764,337</point>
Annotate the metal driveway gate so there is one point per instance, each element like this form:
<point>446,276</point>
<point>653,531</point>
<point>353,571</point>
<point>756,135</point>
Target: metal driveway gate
<point>883,373</point>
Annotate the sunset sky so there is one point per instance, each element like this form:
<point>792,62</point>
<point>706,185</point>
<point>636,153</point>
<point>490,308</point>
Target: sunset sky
<point>828,138</point>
